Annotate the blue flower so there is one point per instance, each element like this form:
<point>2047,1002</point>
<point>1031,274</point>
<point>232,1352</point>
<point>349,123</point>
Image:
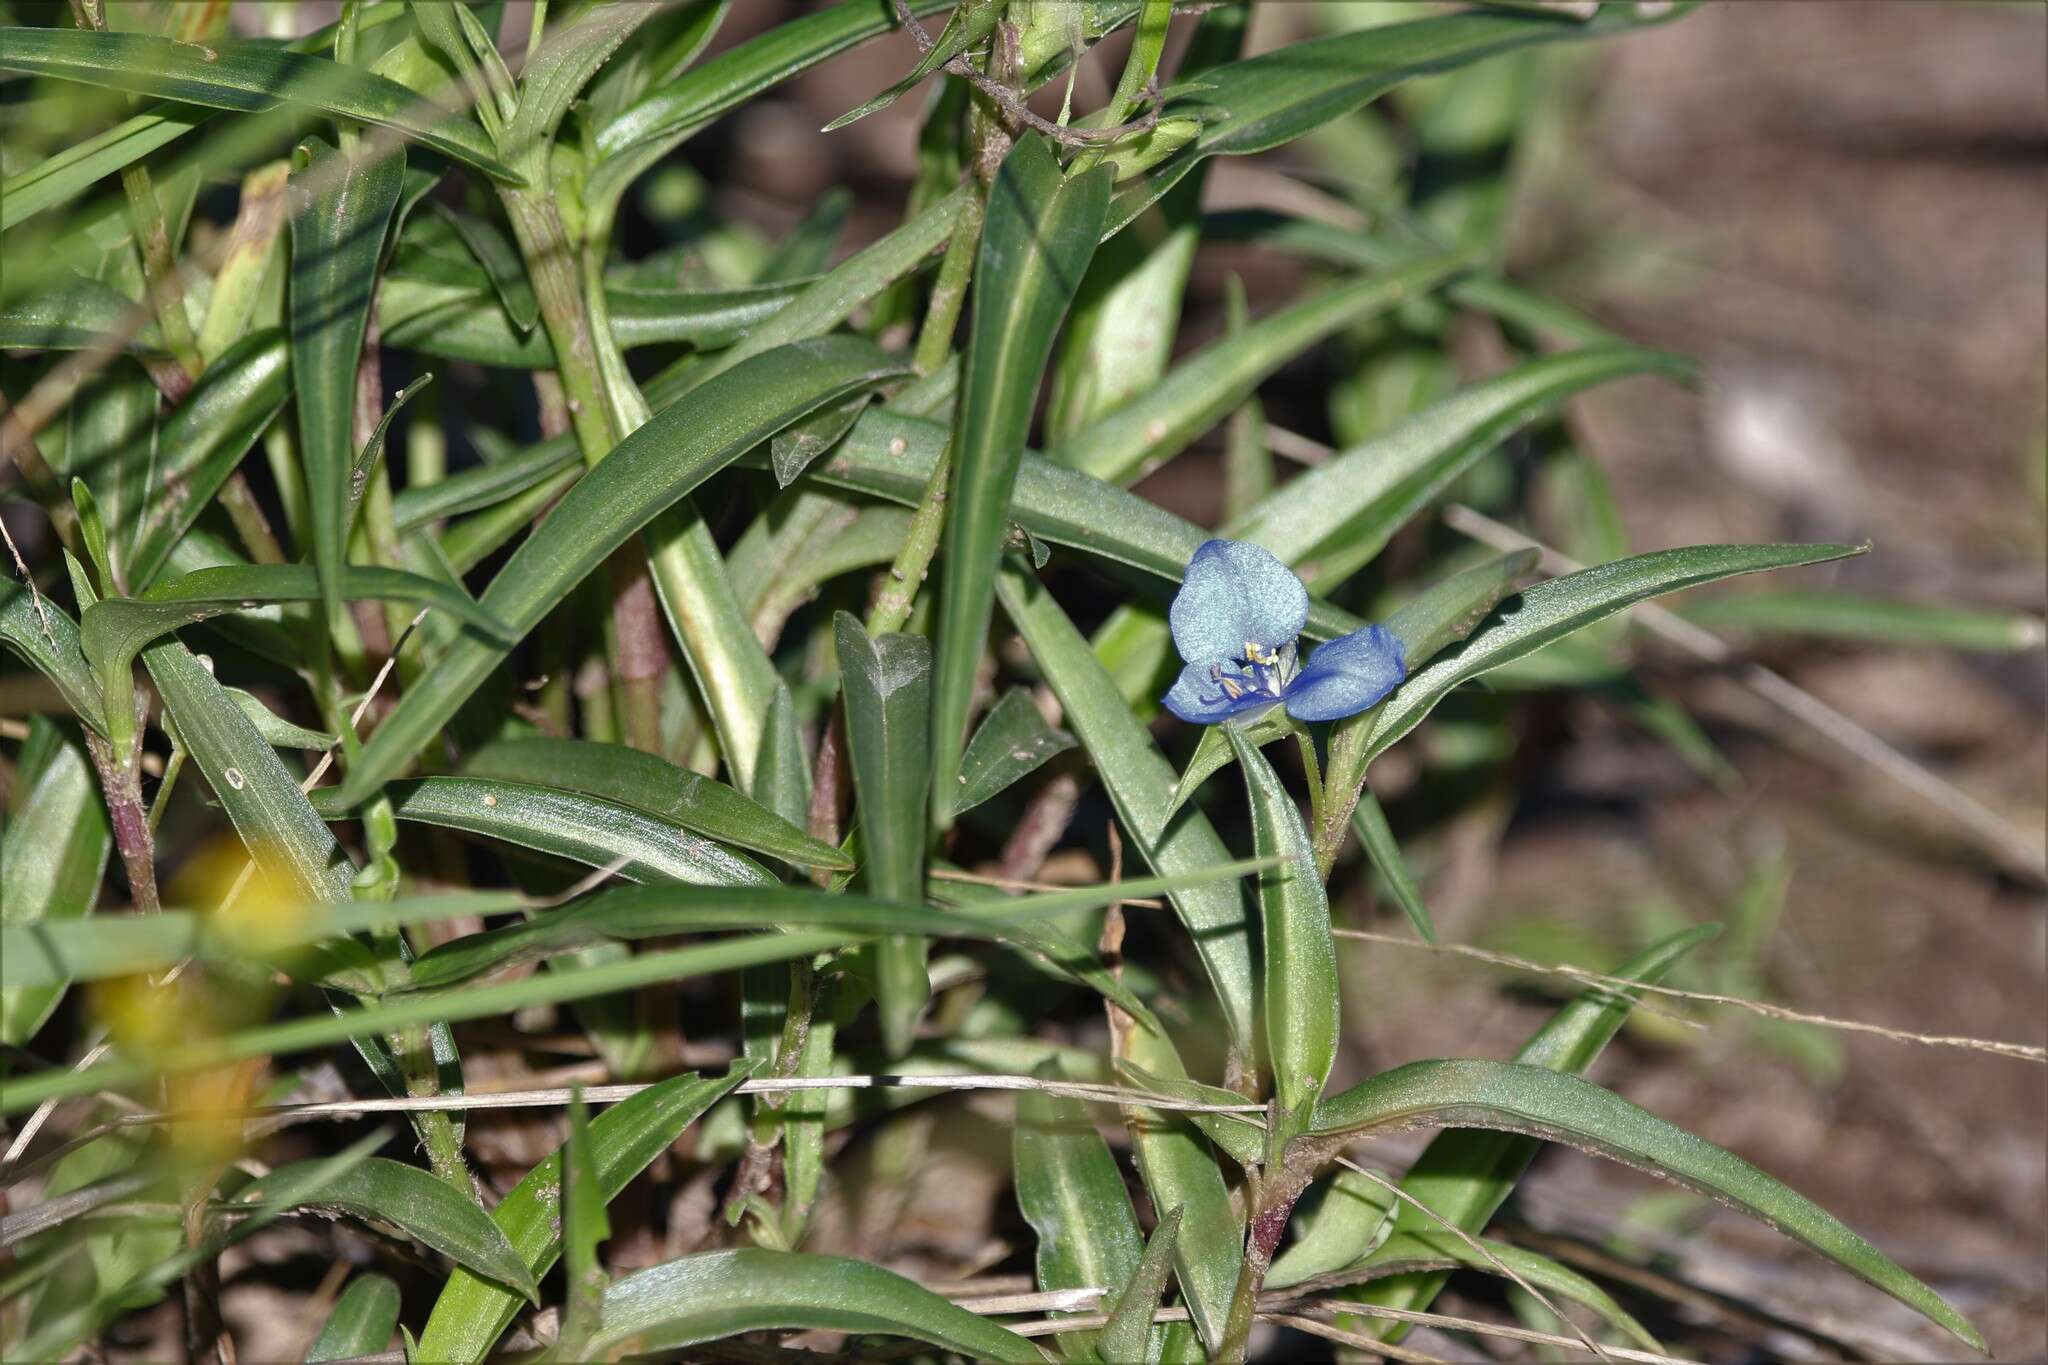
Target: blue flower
<point>1235,620</point>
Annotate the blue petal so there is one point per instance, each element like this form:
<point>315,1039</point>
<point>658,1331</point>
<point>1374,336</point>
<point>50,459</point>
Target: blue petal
<point>1198,699</point>
<point>1347,675</point>
<point>1235,592</point>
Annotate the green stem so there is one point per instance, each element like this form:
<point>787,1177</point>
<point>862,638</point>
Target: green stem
<point>949,291</point>
<point>1343,779</point>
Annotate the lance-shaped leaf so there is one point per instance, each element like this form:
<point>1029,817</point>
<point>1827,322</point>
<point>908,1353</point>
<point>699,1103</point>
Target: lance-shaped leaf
<point>1354,1216</point>
<point>53,851</point>
<point>362,1322</point>
<point>1012,743</point>
<point>567,824</point>
<point>340,207</point>
<point>1261,102</point>
<point>568,57</point>
<point>1125,1335</point>
<point>472,1311</point>
<point>1406,1254</point>
<point>718,1294</point>
<point>1877,620</point>
<point>115,629</point>
<point>1300,988</point>
<point>202,441</point>
<point>887,686</point>
<point>422,1206</point>
<point>1199,392</point>
<point>651,469</point>
<point>1554,609</point>
<point>78,313</point>
<point>289,844</point>
<point>1040,232</point>
<point>650,783</point>
<point>1073,1195</point>
<point>66,174</point>
<point>46,638</point>
<point>1465,1175</point>
<point>1140,785</point>
<point>246,76</point>
<point>968,24</point>
<point>1530,1100</point>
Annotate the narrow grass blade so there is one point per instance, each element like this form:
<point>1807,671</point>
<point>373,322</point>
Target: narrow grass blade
<point>653,468</point>
<point>1376,836</point>
<point>246,76</point>
<point>887,686</point>
<point>76,314</point>
<point>652,784</point>
<point>1072,1194</point>
<point>339,211</point>
<point>1035,245</point>
<point>53,851</point>
<point>968,25</point>
<point>1300,987</point>
<point>473,1311</point>
<point>1011,744</point>
<point>569,825</point>
<point>585,1229</point>
<point>1554,609</point>
<point>64,175</point>
<point>422,1206</point>
<point>362,1322</point>
<point>718,1294</point>
<point>1199,392</point>
<point>1140,785</point>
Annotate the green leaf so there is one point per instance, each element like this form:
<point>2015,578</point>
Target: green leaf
<point>734,77</point>
<point>340,208</point>
<point>202,441</point>
<point>807,248</point>
<point>1125,1335</point>
<point>1011,744</point>
<point>1300,988</point>
<point>76,314</point>
<point>1465,1175</point>
<point>289,844</point>
<point>1261,102</point>
<point>624,1140</point>
<point>1354,1218</point>
<point>1406,1254</point>
<point>1200,391</point>
<point>117,628</point>
<point>967,26</point>
<point>362,1322</point>
<point>422,1206</point>
<point>584,1230</point>
<point>1140,785</point>
<point>1040,231</point>
<point>1873,620</point>
<point>246,76</point>
<point>1181,1172</point>
<point>55,951</point>
<point>437,1007</point>
<point>1337,516</point>
<point>794,448</point>
<point>887,686</point>
<point>651,469</point>
<point>569,56</point>
<point>567,824</point>
<point>1554,609</point>
<point>1536,1102</point>
<point>652,784</point>
<point>718,1294</point>
<point>53,852</point>
<point>1071,1192</point>
<point>501,263</point>
<point>46,638</point>
<point>1376,836</point>
<point>66,174</point>
<point>366,459</point>
<point>1444,614</point>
